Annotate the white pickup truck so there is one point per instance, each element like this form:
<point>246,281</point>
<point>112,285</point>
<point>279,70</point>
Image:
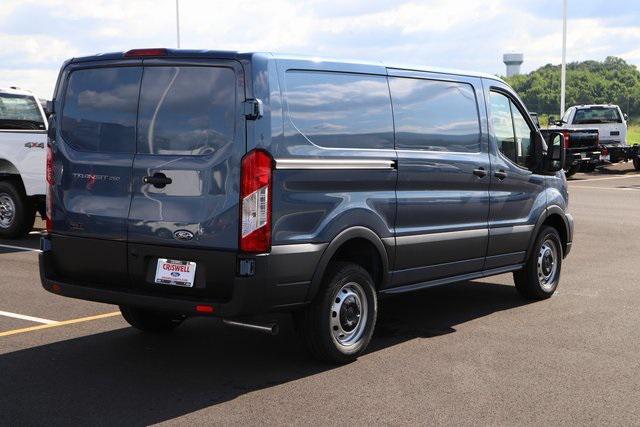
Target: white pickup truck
<point>611,123</point>
<point>23,139</point>
<point>607,118</point>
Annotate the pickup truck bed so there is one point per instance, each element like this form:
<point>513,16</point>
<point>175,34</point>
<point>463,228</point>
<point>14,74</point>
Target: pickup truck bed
<point>583,148</point>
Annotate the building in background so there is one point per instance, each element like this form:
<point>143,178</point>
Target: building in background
<point>513,61</point>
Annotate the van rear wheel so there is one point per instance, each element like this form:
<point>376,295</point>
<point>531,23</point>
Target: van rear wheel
<point>541,274</point>
<point>337,326</point>
<point>150,321</point>
<point>17,214</point>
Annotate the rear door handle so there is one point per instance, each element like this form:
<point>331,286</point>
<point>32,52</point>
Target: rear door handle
<point>501,174</point>
<point>158,180</point>
<point>480,172</point>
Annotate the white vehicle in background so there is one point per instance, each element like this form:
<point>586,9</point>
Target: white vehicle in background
<point>611,123</point>
<point>608,119</point>
<point>23,139</point>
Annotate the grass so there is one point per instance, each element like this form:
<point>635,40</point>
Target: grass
<point>633,133</point>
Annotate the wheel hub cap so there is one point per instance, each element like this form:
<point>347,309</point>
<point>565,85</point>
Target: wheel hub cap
<point>547,264</point>
<point>348,315</point>
<point>7,211</point>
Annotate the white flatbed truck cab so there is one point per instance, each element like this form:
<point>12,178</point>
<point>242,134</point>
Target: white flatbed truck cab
<point>23,137</point>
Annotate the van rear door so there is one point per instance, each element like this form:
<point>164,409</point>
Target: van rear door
<point>93,156</point>
<point>186,172</point>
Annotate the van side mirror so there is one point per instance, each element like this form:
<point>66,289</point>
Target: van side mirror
<point>556,155</point>
<point>626,117</point>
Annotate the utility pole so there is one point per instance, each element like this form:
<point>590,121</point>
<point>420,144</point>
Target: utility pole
<point>563,75</point>
<point>178,22</point>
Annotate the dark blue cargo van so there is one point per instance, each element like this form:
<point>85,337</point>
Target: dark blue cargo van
<point>206,183</point>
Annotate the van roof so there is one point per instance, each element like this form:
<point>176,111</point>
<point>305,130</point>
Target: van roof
<point>222,54</point>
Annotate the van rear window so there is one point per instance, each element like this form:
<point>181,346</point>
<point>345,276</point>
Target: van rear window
<point>341,110</point>
<point>100,107</point>
<point>186,110</point>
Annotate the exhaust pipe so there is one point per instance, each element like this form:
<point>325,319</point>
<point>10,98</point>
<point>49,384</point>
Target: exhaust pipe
<point>269,328</point>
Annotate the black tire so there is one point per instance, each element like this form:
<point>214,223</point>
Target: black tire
<point>17,213</point>
<point>541,275</point>
<point>573,169</point>
<point>636,163</point>
<point>318,322</point>
<point>150,321</point>
<point>589,167</point>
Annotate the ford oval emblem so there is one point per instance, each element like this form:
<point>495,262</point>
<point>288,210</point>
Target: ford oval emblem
<point>175,274</point>
<point>183,235</point>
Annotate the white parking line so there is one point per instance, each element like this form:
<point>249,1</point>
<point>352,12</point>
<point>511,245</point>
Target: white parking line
<point>29,318</point>
<point>603,179</point>
<point>20,248</point>
<point>591,187</point>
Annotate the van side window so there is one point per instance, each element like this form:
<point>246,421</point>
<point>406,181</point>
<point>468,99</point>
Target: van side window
<point>100,107</point>
<point>186,110</point>
<point>435,115</point>
<point>341,110</point>
<point>512,132</point>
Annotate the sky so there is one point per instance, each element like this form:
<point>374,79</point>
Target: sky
<point>36,36</point>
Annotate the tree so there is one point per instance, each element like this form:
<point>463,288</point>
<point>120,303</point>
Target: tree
<point>590,82</point>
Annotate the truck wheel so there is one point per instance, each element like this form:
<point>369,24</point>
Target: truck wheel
<point>573,169</point>
<point>337,326</point>
<point>636,163</point>
<point>17,214</point>
<point>588,167</point>
<point>541,274</point>
<point>150,321</point>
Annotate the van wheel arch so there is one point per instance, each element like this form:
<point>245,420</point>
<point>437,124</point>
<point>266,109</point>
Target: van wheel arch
<point>344,247</point>
<point>553,217</point>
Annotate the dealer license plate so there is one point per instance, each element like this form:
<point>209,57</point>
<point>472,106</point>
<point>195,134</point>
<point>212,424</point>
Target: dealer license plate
<point>176,273</point>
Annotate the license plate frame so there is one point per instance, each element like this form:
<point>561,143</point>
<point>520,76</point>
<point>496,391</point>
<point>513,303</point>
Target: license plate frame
<point>172,272</point>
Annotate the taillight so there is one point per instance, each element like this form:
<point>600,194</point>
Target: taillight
<point>604,151</point>
<point>50,182</point>
<point>255,196</point>
<point>566,138</point>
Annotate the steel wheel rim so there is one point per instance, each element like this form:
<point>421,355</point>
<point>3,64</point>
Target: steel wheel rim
<point>348,315</point>
<point>547,264</point>
<point>7,211</point>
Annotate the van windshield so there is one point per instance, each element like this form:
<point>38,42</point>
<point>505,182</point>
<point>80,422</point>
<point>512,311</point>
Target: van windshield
<point>20,112</point>
<point>596,115</point>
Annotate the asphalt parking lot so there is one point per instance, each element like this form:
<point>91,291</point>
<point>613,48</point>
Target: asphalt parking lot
<point>469,353</point>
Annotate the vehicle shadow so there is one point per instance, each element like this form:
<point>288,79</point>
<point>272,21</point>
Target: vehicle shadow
<point>123,376</point>
<point>31,241</point>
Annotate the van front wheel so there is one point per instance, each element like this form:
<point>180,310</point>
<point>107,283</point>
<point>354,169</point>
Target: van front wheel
<point>337,326</point>
<point>150,321</point>
<point>541,274</point>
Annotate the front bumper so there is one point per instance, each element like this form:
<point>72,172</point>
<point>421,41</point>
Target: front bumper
<point>280,281</point>
<point>569,234</point>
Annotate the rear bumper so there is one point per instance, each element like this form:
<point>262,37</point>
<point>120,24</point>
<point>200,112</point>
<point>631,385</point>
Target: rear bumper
<point>580,158</point>
<point>281,282</point>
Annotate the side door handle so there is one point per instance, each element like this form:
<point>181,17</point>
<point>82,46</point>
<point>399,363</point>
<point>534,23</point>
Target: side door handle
<point>480,172</point>
<point>501,174</point>
<point>158,180</point>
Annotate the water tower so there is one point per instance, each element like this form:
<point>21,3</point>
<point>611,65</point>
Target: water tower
<point>513,61</point>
